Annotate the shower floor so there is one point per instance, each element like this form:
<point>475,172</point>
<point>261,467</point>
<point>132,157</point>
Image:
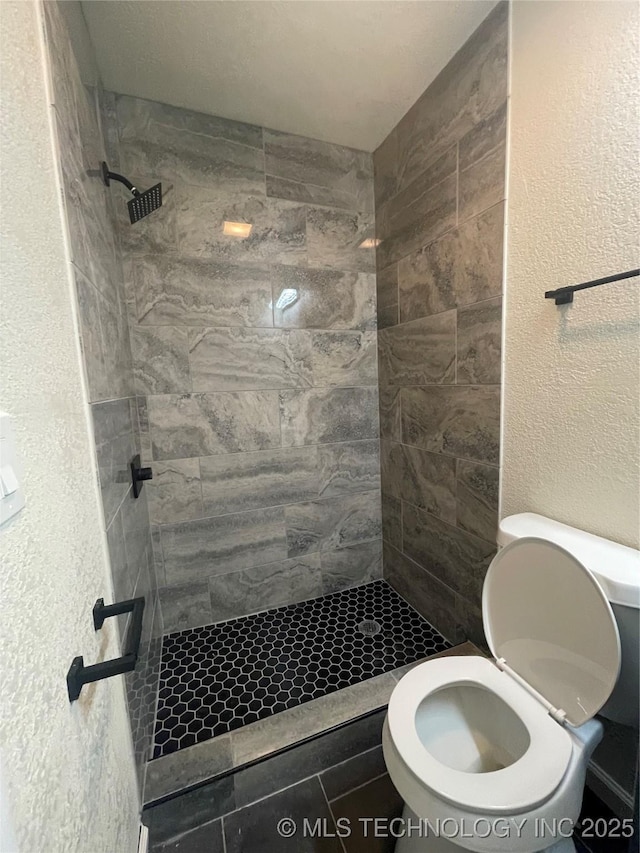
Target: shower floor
<point>221,677</point>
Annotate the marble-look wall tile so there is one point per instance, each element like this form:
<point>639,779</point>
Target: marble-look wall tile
<point>157,139</point>
<point>278,233</point>
<point>92,305</point>
<point>92,240</point>
<point>262,587</point>
<point>387,316</point>
<point>335,237</point>
<point>330,524</point>
<point>479,342</point>
<point>172,290</point>
<point>255,418</point>
<point>439,182</point>
<point>316,172</point>
<point>185,606</point>
<point>343,358</point>
<point>347,467</point>
<point>325,415</point>
<point>471,87</point>
<point>144,434</point>
<point>430,597</point>
<point>426,480</point>
<point>477,493</point>
<point>455,557</point>
<point>161,359</point>
<point>323,299</point>
<point>184,425</point>
<point>391,521</point>
<point>242,481</point>
<point>437,215</point>
<point>123,579</point>
<point>351,565</point>
<point>91,211</point>
<point>461,420</point>
<point>137,535</point>
<point>117,348</point>
<point>385,169</point>
<point>463,267</point>
<point>156,551</point>
<point>194,550</point>
<point>175,493</point>
<point>482,185</point>
<point>113,432</point>
<point>483,138</point>
<point>240,359</point>
<point>415,201</point>
<point>421,352</point>
<point>387,286</point>
<point>389,411</point>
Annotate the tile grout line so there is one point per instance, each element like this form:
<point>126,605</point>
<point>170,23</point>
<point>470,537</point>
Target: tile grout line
<point>331,812</point>
<point>223,833</point>
<point>361,785</point>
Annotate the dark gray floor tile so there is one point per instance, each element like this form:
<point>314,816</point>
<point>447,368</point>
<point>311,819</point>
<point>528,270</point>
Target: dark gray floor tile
<point>204,839</point>
<point>378,799</point>
<point>309,758</point>
<point>352,773</point>
<point>172,819</point>
<point>254,828</point>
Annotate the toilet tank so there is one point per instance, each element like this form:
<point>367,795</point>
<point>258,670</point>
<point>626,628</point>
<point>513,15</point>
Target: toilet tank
<point>617,570</point>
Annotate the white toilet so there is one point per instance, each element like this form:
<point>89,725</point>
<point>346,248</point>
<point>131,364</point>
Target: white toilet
<point>491,755</point>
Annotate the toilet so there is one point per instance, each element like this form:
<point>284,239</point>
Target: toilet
<point>491,755</point>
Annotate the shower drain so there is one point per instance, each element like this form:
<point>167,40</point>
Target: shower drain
<point>369,627</point>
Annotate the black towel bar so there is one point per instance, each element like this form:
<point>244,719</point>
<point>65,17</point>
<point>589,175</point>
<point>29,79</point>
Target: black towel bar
<point>564,295</point>
<point>79,674</point>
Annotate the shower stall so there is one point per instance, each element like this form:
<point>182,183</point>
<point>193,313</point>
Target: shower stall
<point>240,328</point>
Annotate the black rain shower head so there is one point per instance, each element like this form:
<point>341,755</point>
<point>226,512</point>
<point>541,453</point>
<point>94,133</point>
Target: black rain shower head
<point>142,204</point>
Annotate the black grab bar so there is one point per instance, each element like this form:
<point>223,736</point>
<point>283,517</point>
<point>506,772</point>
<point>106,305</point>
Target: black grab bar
<point>79,674</point>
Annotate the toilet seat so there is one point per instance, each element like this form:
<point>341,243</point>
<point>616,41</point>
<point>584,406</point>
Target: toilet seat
<point>521,786</point>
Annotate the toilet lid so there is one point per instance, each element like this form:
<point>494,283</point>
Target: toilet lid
<point>545,614</point>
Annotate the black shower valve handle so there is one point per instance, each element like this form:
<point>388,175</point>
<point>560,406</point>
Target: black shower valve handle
<point>139,475</point>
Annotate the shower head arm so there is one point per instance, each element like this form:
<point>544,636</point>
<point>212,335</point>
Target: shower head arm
<point>108,176</point>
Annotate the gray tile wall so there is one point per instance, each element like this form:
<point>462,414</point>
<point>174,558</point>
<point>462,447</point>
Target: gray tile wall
<point>254,360</point>
<point>439,204</point>
<point>79,110</point>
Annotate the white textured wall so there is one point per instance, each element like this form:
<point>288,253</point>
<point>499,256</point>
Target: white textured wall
<point>571,381</point>
<point>67,769</point>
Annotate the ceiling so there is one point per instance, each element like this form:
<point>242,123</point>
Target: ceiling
<point>344,71</point>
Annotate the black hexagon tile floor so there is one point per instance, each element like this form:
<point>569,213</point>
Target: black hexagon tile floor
<point>220,677</point>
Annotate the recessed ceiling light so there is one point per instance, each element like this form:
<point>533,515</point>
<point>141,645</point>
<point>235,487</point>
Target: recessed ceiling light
<point>237,229</point>
<point>370,243</point>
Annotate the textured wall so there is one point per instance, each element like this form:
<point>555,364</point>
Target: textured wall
<point>255,361</point>
<point>572,374</point>
<point>104,336</point>
<point>68,770</point>
<point>439,193</point>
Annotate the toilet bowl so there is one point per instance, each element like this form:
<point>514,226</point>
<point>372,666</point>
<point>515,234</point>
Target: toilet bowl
<point>491,755</point>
